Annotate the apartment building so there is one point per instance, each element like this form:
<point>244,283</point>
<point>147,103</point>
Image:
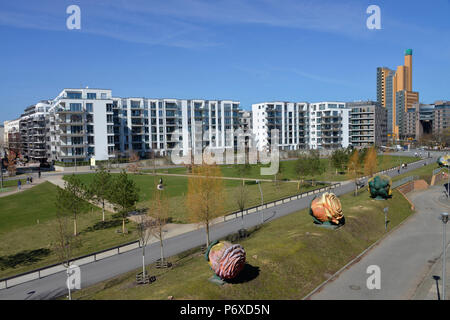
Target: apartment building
<point>11,134</point>
<point>80,124</point>
<point>33,132</point>
<point>427,119</point>
<point>368,124</point>
<point>289,118</point>
<point>329,125</point>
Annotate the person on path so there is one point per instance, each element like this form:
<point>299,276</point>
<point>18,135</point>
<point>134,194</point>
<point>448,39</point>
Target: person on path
<point>19,184</point>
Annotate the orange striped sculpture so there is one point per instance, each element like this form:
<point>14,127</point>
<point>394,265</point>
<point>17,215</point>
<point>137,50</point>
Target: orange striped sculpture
<point>225,259</point>
<point>326,209</point>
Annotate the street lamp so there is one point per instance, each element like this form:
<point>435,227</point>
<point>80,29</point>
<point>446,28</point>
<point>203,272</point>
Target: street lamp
<point>444,218</point>
<point>262,200</point>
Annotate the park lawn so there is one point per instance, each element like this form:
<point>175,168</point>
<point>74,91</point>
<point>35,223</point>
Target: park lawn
<point>286,258</point>
<point>176,188</point>
<point>20,230</point>
<point>288,169</point>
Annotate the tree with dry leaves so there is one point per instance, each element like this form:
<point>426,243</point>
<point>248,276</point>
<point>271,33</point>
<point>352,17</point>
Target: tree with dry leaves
<point>354,168</point>
<point>205,195</point>
<point>370,162</point>
<point>11,163</point>
<point>134,165</point>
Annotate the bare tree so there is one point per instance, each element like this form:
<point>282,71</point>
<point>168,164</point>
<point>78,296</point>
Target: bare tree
<point>134,164</point>
<point>159,213</point>
<point>144,226</point>
<point>65,242</point>
<point>241,196</point>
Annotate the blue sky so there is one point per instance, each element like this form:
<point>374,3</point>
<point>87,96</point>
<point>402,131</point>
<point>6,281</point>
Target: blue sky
<point>248,50</point>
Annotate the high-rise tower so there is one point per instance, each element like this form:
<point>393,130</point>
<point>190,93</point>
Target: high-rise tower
<point>394,92</point>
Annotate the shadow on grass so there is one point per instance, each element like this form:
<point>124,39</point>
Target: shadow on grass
<point>247,274</point>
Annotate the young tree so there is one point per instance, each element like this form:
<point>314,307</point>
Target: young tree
<point>317,167</point>
<point>144,226</point>
<point>124,195</point>
<point>11,163</point>
<point>159,213</point>
<point>134,165</point>
<point>354,167</point>
<point>205,195</point>
<point>71,199</point>
<point>64,241</point>
<point>370,162</point>
<point>241,196</point>
<point>339,159</point>
<point>302,168</point>
<point>243,170</point>
<point>99,189</point>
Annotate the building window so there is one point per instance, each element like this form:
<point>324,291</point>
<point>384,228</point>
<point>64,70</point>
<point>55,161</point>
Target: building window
<point>89,107</point>
<point>91,95</point>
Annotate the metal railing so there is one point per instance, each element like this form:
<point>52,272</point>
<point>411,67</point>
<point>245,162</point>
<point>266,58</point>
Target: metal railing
<point>270,204</point>
<point>9,282</point>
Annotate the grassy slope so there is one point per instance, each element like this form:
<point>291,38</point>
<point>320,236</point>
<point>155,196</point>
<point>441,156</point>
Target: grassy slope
<point>384,162</point>
<point>288,258</point>
<point>19,229</point>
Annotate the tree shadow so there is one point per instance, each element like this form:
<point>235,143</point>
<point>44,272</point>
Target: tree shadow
<point>247,274</point>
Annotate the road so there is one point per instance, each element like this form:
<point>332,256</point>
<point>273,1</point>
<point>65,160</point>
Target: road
<point>404,257</point>
<point>92,273</point>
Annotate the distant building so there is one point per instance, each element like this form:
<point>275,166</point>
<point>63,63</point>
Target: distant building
<point>289,118</point>
<point>427,120</point>
<point>394,92</point>
<point>368,124</point>
<point>329,125</point>
<point>12,135</point>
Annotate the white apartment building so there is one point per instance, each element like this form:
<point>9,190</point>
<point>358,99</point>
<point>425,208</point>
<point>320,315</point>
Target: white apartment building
<point>328,125</point>
<point>80,124</point>
<point>289,118</point>
<point>302,125</point>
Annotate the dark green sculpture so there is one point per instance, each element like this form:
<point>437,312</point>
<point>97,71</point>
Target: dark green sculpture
<point>380,187</point>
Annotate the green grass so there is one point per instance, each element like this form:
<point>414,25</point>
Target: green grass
<point>28,222</point>
<point>288,258</point>
<point>384,162</point>
<point>176,188</point>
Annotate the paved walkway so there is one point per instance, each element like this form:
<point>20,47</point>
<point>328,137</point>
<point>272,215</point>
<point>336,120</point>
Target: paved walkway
<point>405,256</point>
<point>25,186</point>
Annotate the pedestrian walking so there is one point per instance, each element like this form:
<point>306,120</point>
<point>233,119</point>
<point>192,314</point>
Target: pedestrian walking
<point>19,184</point>
<point>39,173</point>
<point>28,180</point>
<point>31,180</point>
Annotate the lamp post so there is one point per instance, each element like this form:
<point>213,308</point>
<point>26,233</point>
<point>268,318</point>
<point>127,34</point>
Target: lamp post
<point>444,218</point>
<point>262,200</point>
